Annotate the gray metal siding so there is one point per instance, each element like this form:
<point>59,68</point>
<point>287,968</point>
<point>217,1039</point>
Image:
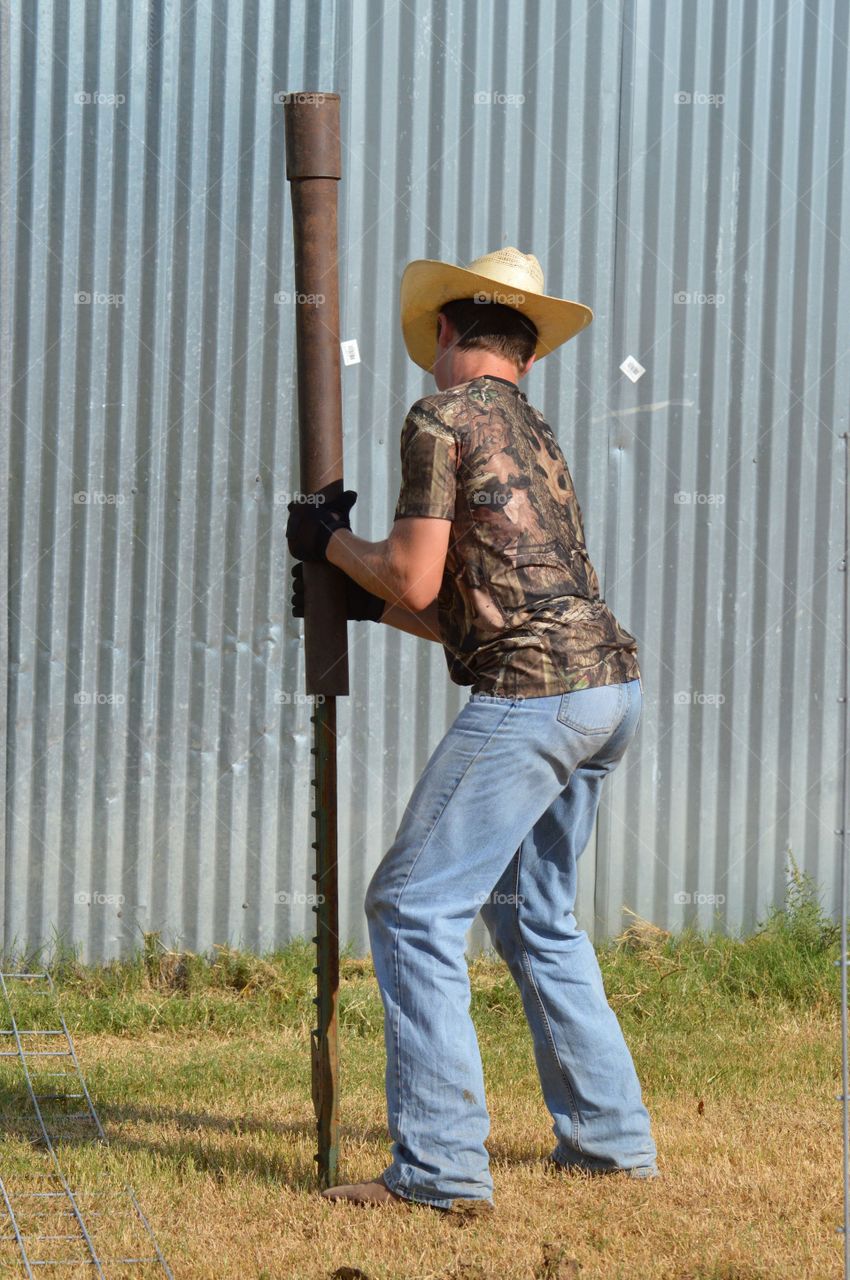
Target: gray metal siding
<point>182,784</point>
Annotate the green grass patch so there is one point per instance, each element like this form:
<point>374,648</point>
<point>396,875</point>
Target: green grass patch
<point>199,1067</point>
<point>654,979</point>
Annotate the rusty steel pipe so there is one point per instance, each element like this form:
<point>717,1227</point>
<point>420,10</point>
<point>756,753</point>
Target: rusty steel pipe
<point>313,170</point>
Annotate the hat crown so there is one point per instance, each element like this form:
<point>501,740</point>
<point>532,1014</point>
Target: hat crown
<point>511,267</point>
<point>506,277</point>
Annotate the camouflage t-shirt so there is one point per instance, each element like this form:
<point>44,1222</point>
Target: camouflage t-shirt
<point>519,607</point>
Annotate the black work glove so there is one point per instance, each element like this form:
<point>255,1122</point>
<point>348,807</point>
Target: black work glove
<point>311,524</point>
<point>360,605</point>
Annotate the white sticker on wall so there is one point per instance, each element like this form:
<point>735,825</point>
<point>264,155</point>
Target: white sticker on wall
<point>350,351</point>
<point>632,368</point>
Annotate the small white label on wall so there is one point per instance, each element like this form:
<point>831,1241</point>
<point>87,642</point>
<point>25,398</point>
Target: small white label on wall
<point>350,351</point>
<point>632,368</point>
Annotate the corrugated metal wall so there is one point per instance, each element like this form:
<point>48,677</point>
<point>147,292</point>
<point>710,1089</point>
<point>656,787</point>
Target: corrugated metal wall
<point>680,168</point>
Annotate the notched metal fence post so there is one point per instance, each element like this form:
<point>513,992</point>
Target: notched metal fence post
<point>313,171</point>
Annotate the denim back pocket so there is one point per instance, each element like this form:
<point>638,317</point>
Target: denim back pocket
<point>597,710</point>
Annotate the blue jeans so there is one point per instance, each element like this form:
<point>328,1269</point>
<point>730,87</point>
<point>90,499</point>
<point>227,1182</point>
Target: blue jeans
<point>497,823</point>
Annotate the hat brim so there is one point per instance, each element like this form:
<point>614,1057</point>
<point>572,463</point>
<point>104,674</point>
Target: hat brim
<point>427,285</point>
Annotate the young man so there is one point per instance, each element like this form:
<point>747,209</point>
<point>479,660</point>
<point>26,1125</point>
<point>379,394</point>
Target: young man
<point>487,556</point>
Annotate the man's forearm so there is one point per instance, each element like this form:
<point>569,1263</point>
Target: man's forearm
<point>368,563</point>
<point>403,570</point>
<point>371,564</point>
<point>423,624</point>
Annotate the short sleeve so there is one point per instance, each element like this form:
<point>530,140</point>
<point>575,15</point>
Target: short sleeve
<point>428,467</point>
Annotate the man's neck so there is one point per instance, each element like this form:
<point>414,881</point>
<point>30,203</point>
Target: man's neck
<point>469,365</point>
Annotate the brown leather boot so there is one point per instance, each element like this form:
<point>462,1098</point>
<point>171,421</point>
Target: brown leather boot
<point>377,1192</point>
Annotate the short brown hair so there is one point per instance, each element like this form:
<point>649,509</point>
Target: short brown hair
<point>491,326</point>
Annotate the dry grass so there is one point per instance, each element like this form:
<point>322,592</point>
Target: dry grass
<point>751,1185</point>
<point>205,1094</point>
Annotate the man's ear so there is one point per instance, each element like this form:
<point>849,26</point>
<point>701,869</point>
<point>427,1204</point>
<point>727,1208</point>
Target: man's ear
<point>529,363</point>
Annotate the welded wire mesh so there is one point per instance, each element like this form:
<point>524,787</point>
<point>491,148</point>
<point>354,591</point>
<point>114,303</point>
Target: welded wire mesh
<point>50,1225</point>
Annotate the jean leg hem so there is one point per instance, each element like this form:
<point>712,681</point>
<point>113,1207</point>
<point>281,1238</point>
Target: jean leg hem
<point>400,1187</point>
<point>640,1170</point>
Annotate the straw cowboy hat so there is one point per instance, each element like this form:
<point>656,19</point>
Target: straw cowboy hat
<point>515,279</point>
